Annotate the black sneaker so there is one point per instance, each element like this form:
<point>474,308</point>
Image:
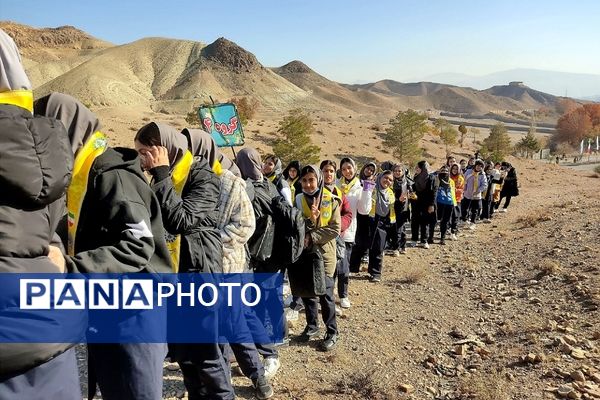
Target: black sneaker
<point>375,279</point>
<point>262,388</point>
<point>442,242</point>
<point>329,343</point>
<point>308,333</point>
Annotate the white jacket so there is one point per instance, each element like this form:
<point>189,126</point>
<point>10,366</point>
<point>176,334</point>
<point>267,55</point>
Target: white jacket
<point>360,202</point>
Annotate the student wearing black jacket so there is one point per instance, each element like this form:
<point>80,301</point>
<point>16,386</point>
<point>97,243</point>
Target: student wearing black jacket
<point>188,193</point>
<point>114,227</point>
<point>424,207</point>
<point>35,171</point>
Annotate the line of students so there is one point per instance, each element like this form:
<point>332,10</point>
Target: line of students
<point>91,208</point>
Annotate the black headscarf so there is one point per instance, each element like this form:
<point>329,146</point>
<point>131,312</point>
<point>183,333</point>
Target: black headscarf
<point>362,170</point>
<point>422,177</point>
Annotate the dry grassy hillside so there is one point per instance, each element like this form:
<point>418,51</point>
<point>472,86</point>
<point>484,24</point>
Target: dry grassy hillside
<point>51,52</point>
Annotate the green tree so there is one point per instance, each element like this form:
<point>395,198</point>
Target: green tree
<point>192,118</point>
<point>475,132</point>
<point>404,133</point>
<point>463,132</point>
<point>529,144</point>
<point>294,141</point>
<point>497,144</point>
<point>448,135</point>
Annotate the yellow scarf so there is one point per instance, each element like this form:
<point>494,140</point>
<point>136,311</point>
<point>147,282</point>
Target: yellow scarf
<point>326,207</point>
<point>93,147</point>
<point>19,98</point>
<point>346,187</point>
<point>179,178</point>
<point>475,182</point>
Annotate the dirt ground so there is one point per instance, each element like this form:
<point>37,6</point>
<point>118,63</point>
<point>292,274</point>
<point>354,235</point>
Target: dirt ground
<point>509,311</point>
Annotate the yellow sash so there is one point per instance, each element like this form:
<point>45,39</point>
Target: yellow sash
<point>390,194</point>
<point>326,207</point>
<point>93,147</point>
<point>346,187</point>
<point>179,177</point>
<point>217,168</point>
<point>19,98</point>
<point>292,188</point>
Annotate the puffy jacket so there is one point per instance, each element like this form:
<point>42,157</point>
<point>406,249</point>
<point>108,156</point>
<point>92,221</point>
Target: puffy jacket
<point>35,170</point>
<point>359,201</point>
<point>236,222</point>
<point>475,185</point>
<point>120,228</point>
<point>193,215</point>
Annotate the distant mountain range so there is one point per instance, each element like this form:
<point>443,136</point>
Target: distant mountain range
<point>579,86</point>
<point>172,74</point>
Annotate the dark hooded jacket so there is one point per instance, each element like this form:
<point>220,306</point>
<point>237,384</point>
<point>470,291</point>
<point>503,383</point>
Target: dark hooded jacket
<point>120,227</point>
<point>35,170</point>
<point>510,186</point>
<point>34,176</point>
<point>193,215</point>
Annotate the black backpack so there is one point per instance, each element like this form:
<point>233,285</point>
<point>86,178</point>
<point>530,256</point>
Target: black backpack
<point>278,239</point>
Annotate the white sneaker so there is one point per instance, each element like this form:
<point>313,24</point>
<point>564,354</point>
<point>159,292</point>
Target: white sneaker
<point>471,226</point>
<point>345,302</point>
<point>272,365</point>
<point>502,210</point>
<point>393,253</point>
<point>453,237</point>
<point>425,245</point>
<point>338,311</point>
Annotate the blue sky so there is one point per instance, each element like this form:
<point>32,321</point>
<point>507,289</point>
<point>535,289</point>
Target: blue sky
<point>352,41</point>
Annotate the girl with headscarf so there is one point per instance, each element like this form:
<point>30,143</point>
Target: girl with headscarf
<point>359,198</point>
<point>201,144</point>
<point>291,173</point>
<point>271,169</point>
<point>475,185</point>
<point>342,272</point>
<point>510,188</point>
<point>373,238</point>
<point>35,170</point>
<point>488,196</point>
<point>459,186</point>
<point>321,211</point>
<point>113,225</point>
<point>446,200</point>
<point>188,194</point>
<point>397,235</point>
<point>366,176</point>
<point>424,217</point>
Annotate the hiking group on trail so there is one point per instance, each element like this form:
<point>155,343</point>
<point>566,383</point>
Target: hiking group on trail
<point>71,203</point>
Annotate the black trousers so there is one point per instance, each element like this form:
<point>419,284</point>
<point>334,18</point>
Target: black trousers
<point>209,378</point>
<point>342,272</point>
<point>507,202</point>
<point>444,212</point>
<point>396,235</point>
<point>126,371</point>
<point>486,208</point>
<point>454,219</point>
<point>57,379</point>
<point>426,222</point>
<point>311,308</point>
<point>371,240</point>
<point>471,209</point>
